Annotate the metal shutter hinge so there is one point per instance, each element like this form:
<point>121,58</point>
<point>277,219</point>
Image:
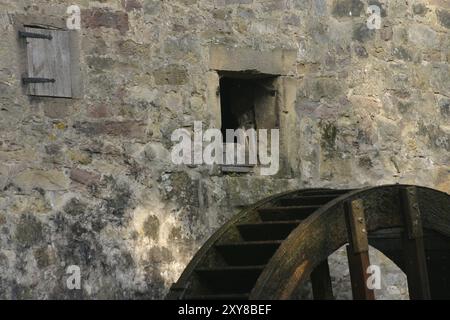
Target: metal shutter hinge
<point>37,80</point>
<point>24,34</point>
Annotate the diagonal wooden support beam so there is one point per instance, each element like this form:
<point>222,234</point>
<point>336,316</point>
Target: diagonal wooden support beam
<point>321,282</point>
<point>413,246</point>
<point>358,250</point>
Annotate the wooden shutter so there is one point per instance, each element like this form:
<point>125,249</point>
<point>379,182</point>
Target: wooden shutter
<point>49,59</point>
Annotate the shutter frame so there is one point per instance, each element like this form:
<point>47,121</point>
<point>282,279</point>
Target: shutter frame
<point>49,59</point>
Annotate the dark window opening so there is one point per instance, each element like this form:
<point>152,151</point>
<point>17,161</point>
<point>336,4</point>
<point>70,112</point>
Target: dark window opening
<point>248,101</point>
<point>237,104</point>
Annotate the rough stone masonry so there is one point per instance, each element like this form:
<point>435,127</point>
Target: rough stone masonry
<point>88,181</point>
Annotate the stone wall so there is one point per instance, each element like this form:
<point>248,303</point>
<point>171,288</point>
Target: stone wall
<point>89,181</point>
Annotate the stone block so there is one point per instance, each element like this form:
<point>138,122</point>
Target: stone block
<point>444,17</point>
<point>58,109</point>
<point>232,2</point>
<point>129,129</point>
<point>84,177</point>
<point>131,5</point>
<point>440,79</point>
<point>276,62</point>
<point>171,75</point>
<point>362,34</point>
<point>420,9</point>
<point>96,18</point>
<point>318,88</point>
<point>151,227</point>
<point>423,36</point>
<point>100,110</point>
<point>29,231</point>
<point>49,180</point>
<point>347,8</point>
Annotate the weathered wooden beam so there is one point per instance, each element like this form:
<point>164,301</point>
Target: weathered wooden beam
<point>358,250</point>
<point>321,282</point>
<point>413,246</point>
<point>358,264</point>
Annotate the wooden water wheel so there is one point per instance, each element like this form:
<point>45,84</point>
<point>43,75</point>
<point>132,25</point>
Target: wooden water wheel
<point>270,250</point>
